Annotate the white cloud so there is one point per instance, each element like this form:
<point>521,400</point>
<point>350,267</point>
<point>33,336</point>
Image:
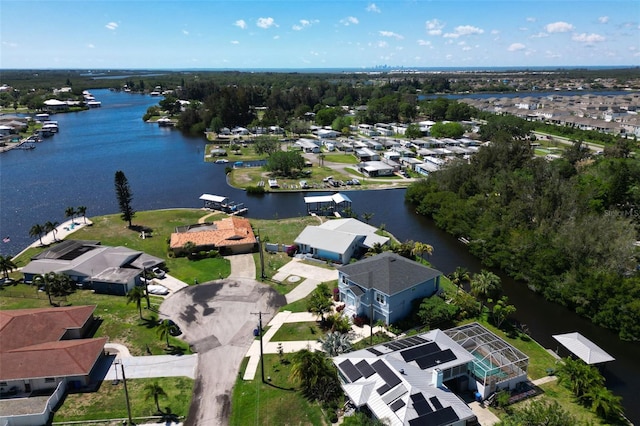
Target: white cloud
<point>266,23</point>
<point>277,37</point>
<point>235,42</point>
<point>424,43</point>
<point>91,46</point>
<point>559,27</point>
<point>434,27</point>
<point>464,30</point>
<point>185,32</point>
<point>531,19</point>
<point>603,19</point>
<point>304,23</point>
<point>373,8</point>
<point>391,34</point>
<point>382,43</point>
<point>514,47</point>
<point>540,35</point>
<point>351,20</point>
<point>495,32</point>
<point>111,26</point>
<point>587,38</point>
<point>466,48</point>
<point>240,23</point>
<point>9,44</point>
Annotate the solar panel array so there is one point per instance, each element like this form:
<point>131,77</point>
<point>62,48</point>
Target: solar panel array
<point>435,402</point>
<point>397,405</point>
<point>366,369</point>
<point>389,377</point>
<point>420,351</point>
<point>374,351</point>
<point>350,370</point>
<point>420,404</point>
<point>398,345</point>
<point>437,358</point>
<point>441,417</point>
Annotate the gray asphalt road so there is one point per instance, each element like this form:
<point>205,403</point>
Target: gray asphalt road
<point>218,319</point>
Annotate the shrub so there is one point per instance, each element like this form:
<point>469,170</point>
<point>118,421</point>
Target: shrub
<point>255,189</point>
<point>360,320</point>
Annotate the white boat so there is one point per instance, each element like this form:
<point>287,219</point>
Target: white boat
<point>221,161</point>
<point>165,122</point>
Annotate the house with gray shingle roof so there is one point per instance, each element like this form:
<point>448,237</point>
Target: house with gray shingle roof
<point>383,287</point>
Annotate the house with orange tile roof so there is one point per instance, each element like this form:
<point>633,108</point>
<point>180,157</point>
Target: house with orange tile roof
<point>48,348</point>
<point>231,235</point>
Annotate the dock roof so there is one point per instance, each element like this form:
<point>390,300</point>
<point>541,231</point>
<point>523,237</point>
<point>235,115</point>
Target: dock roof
<point>583,348</point>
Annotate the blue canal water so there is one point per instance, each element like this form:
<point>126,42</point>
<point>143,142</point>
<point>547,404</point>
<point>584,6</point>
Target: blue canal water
<point>166,169</point>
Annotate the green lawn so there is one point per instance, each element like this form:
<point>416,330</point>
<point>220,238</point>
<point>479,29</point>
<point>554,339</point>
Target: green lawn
<point>292,331</point>
<point>342,158</point>
<point>121,322</point>
<point>275,403</point>
<point>108,402</point>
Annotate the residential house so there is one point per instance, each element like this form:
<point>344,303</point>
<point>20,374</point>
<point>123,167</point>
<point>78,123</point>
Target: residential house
<point>383,287</point>
<point>45,352</point>
<point>308,145</point>
<point>375,168</point>
<point>338,240</point>
<point>231,235</point>
<point>109,270</point>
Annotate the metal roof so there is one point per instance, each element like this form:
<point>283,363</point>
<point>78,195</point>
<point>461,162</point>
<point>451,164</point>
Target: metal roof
<point>583,348</point>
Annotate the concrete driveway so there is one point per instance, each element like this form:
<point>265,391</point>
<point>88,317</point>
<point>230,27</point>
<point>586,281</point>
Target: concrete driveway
<point>218,319</point>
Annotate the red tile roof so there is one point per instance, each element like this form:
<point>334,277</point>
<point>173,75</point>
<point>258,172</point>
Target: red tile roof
<point>30,345</point>
<point>229,231</point>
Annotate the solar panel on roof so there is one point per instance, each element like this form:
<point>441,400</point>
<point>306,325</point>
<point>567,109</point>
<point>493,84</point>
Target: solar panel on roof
<point>374,351</point>
<point>397,405</point>
<point>416,340</point>
<point>366,369</point>
<point>419,351</point>
<point>437,418</point>
<point>383,389</point>
<point>393,346</point>
<point>386,374</point>
<point>350,370</point>
<point>420,404</point>
<point>429,361</point>
<point>436,403</point>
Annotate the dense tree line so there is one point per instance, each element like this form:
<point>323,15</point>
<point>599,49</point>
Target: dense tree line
<point>565,228</point>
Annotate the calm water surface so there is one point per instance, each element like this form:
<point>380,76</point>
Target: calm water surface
<point>166,169</point>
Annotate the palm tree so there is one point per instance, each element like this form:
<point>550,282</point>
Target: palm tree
<point>82,211</point>
<point>459,277</point>
<point>164,330</point>
<point>307,368</point>
<point>36,231</point>
<point>366,216</point>
<point>70,212</point>
<point>154,390</point>
<point>54,284</point>
<point>136,295</point>
<point>319,304</point>
<point>604,403</point>
<point>6,265</point>
<point>335,343</point>
<point>420,248</point>
<point>51,227</point>
<point>485,284</point>
<point>322,156</point>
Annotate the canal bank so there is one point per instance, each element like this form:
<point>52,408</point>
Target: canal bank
<point>165,169</point>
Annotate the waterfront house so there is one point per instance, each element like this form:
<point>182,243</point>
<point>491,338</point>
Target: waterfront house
<point>231,235</point>
<point>338,240</point>
<point>375,168</point>
<point>383,287</point>
<point>109,270</point>
<point>54,105</point>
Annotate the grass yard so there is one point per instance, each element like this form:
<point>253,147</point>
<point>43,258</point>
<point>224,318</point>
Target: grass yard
<point>292,331</point>
<point>110,230</point>
<point>342,158</point>
<point>121,322</point>
<point>276,403</point>
<point>108,402</point>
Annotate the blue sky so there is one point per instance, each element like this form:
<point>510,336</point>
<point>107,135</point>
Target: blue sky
<point>94,34</point>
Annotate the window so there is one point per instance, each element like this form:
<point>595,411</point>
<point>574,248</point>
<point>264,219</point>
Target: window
<point>49,380</point>
<point>380,298</point>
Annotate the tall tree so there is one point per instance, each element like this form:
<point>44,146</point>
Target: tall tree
<point>136,295</point>
<point>82,211</point>
<point>36,231</point>
<point>70,212</point>
<point>51,227</point>
<point>54,284</point>
<point>154,391</point>
<point>485,284</point>
<point>124,195</point>
<point>164,330</point>
<point>6,265</point>
<point>419,249</point>
<point>459,277</point>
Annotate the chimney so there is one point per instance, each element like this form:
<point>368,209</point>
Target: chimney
<point>436,377</point>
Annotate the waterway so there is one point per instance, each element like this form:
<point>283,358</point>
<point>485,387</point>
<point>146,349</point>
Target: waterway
<point>166,169</point>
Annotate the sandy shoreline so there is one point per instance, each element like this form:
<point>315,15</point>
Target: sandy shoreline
<point>61,232</point>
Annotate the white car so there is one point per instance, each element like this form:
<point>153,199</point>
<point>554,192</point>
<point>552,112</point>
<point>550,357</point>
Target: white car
<point>157,289</point>
<point>159,273</point>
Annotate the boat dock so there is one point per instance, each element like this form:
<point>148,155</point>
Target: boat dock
<point>223,204</point>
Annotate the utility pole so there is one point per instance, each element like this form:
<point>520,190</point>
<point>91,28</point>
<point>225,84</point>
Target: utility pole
<point>262,276</point>
<point>126,394</point>
<point>261,349</point>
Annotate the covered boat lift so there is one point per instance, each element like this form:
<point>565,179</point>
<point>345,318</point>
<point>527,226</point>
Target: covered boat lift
<point>583,348</point>
<point>327,204</point>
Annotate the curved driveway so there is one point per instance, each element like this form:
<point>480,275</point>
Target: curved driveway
<point>218,318</point>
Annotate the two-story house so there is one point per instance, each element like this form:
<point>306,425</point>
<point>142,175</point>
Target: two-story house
<point>382,287</point>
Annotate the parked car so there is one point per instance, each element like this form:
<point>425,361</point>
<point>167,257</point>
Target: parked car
<point>159,273</point>
<point>157,289</point>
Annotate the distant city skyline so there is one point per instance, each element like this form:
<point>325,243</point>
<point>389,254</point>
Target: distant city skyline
<point>281,34</point>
